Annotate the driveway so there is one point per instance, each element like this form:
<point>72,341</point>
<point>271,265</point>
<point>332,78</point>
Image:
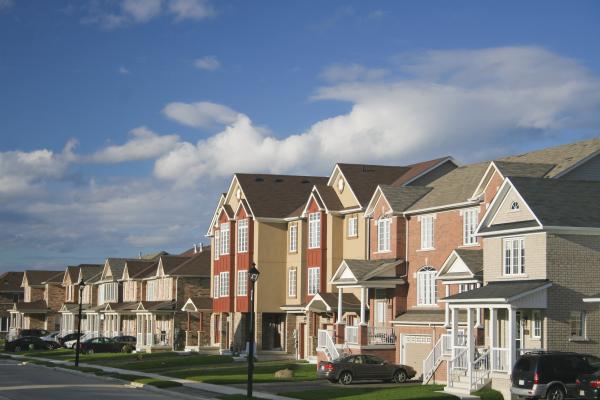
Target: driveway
<point>299,386</point>
<point>33,382</point>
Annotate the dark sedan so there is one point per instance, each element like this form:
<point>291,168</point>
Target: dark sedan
<point>346,370</point>
<point>130,340</point>
<point>588,385</point>
<point>101,345</point>
<point>28,343</point>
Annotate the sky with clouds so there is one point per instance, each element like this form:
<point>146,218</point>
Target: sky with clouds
<point>121,121</point>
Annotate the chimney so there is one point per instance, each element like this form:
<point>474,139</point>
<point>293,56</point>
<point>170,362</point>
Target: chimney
<point>201,248</point>
<point>195,248</point>
<point>140,256</point>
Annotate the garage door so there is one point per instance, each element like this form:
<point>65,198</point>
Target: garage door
<point>414,350</point>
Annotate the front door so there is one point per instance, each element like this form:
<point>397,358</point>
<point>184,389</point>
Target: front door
<point>301,338</point>
<point>518,333</point>
<point>217,329</point>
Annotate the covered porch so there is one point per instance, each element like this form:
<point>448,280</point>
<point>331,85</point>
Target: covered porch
<point>197,330</point>
<point>513,324</point>
<point>154,326</point>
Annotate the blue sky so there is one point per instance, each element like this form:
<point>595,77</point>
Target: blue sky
<point>114,115</point>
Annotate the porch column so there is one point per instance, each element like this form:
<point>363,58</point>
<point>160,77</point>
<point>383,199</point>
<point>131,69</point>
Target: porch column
<point>447,309</point>
<point>478,318</point>
<point>493,316</point>
<point>470,342</point>
<point>340,311</point>
<point>363,300</point>
<point>454,325</point>
<point>512,349</point>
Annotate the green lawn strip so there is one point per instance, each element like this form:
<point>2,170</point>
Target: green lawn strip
<point>172,362</point>
<point>489,394</point>
<point>412,392</point>
<point>238,373</point>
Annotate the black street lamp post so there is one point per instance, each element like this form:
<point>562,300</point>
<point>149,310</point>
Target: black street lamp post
<point>81,286</point>
<point>253,276</point>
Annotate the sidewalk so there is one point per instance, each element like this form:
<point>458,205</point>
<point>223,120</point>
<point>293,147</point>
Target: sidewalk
<point>208,388</point>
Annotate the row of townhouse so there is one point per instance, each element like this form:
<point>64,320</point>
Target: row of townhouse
<point>163,300</point>
<point>451,269</point>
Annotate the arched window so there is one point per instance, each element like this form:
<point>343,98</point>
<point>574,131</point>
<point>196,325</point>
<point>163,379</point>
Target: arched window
<point>514,206</point>
<point>426,287</point>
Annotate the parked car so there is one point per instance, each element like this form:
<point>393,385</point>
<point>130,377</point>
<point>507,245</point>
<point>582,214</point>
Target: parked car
<point>70,344</point>
<point>33,332</point>
<point>130,340</point>
<point>588,385</point>
<point>51,337</point>
<point>30,342</point>
<point>101,345</point>
<point>67,338</point>
<point>346,370</point>
<point>549,375</point>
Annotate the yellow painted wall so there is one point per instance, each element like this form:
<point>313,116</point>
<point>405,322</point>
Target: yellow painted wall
<point>270,253</point>
<point>356,247</point>
<point>335,237</point>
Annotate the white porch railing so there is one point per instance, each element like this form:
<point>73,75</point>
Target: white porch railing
<point>351,334</point>
<point>381,335</point>
<point>480,371</point>
<point>457,366</point>
<point>326,344</point>
<point>500,359</point>
<point>435,356</point>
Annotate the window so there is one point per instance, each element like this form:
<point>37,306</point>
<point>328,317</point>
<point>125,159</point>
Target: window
<point>242,245</point>
<point>465,287</point>
<point>314,278</point>
<point>242,283</point>
<point>577,324</point>
<point>292,282</point>
<point>426,287</point>
<point>427,232</point>
<point>216,247</point>
<point>536,325</point>
<point>293,237</point>
<point>380,307</point>
<point>353,226</point>
<point>224,291</point>
<point>216,287</point>
<point>383,235</point>
<point>314,230</point>
<point>225,238</point>
<point>514,206</point>
<point>469,226</point>
<point>70,292</point>
<point>108,292</point>
<point>514,256</point>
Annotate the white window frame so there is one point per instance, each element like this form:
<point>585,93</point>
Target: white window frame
<point>426,287</point>
<point>314,280</point>
<point>225,238</point>
<point>224,278</point>
<point>536,324</point>
<point>380,311</point>
<point>427,232</point>
<point>217,245</point>
<point>579,317</point>
<point>314,230</point>
<point>470,221</point>
<point>292,282</point>
<point>242,283</point>
<point>384,235</point>
<point>293,238</point>
<point>242,236</point>
<point>513,255</point>
<point>216,287</point>
<point>352,226</point>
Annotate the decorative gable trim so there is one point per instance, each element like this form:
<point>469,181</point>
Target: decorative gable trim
<point>311,198</point>
<point>337,171</point>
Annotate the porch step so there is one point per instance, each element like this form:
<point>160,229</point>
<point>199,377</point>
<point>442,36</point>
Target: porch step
<point>462,394</point>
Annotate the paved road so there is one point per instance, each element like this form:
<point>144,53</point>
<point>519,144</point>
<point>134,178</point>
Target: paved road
<point>33,382</point>
<point>300,386</point>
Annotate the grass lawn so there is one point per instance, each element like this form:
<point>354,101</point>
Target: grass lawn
<point>412,392</point>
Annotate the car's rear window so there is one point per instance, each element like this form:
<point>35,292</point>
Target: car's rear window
<point>525,364</point>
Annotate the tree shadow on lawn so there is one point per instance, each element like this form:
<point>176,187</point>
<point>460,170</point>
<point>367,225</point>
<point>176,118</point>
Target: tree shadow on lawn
<point>237,373</point>
<point>409,392</point>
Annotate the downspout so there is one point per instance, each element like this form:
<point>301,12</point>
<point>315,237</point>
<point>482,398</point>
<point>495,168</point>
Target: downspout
<point>368,238</point>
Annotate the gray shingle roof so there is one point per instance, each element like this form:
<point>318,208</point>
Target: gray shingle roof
<point>36,277</point>
<point>509,225</point>
<point>500,290</point>
<point>400,198</point>
<point>349,301</point>
<point>11,282</point>
<point>512,168</point>
<point>562,157</point>
<point>425,316</point>
<point>362,268</point>
<point>561,202</point>
<point>473,258</point>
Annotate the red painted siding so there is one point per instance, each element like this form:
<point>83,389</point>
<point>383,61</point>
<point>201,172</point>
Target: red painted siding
<point>244,260</point>
<point>317,257</point>
<point>225,263</point>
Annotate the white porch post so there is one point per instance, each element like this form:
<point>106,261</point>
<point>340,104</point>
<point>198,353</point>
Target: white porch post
<point>493,316</point>
<point>447,309</point>
<point>512,353</point>
<point>478,318</point>
<point>470,342</point>
<point>363,296</point>
<point>340,311</point>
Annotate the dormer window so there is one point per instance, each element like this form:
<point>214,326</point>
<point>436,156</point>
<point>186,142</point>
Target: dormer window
<point>514,206</point>
<point>314,230</point>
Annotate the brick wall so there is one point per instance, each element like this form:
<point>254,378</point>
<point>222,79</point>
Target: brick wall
<point>55,296</point>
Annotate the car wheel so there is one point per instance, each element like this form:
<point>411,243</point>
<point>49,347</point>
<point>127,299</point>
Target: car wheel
<point>400,376</point>
<point>345,378</point>
<point>556,393</point>
<point>17,349</point>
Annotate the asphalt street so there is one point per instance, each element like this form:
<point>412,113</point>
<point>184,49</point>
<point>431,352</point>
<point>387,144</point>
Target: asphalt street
<point>34,382</point>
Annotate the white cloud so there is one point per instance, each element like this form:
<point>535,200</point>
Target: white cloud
<point>352,72</point>
<point>144,145</point>
<point>6,4</point>
<point>203,114</point>
<point>142,10</point>
<point>470,104</point>
<point>191,9</point>
<point>123,71</point>
<point>208,63</point>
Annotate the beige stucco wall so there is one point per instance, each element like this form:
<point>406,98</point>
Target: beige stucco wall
<point>346,196</point>
<point>355,247</point>
<point>296,260</point>
<point>505,215</point>
<point>335,238</point>
<point>270,259</point>
<point>535,258</point>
